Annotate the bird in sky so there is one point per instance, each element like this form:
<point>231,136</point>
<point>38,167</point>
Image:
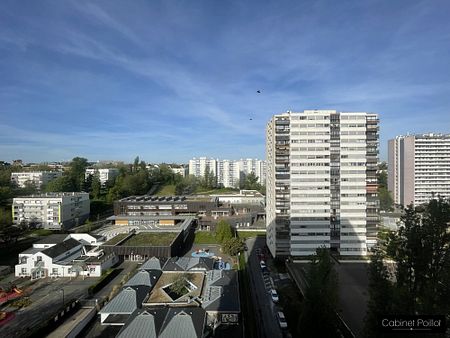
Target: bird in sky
<point>258,91</point>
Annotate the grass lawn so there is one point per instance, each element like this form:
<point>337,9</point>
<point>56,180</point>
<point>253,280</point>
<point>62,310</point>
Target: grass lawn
<point>247,234</point>
<point>155,239</point>
<point>205,237</point>
<point>41,232</point>
<point>116,239</point>
<point>216,191</point>
<point>167,190</point>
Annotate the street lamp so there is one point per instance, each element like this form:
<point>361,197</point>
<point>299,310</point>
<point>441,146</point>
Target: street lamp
<point>62,290</point>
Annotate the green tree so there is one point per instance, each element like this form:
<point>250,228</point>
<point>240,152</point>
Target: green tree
<point>60,184</point>
<point>232,246</point>
<point>250,182</point>
<point>136,164</point>
<point>77,170</point>
<point>318,316</point>
<point>381,291</point>
<point>223,231</point>
<point>96,186</point>
<point>421,251</point>
<point>180,283</point>
<point>386,201</point>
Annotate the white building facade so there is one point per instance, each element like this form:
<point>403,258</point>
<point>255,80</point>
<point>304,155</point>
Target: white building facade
<point>36,178</point>
<point>105,175</point>
<point>52,210</point>
<point>321,182</point>
<point>230,173</point>
<point>198,166</point>
<point>67,257</point>
<point>419,168</point>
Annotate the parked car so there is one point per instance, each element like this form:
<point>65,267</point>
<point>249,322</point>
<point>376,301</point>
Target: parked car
<point>274,295</point>
<point>262,264</point>
<point>281,320</point>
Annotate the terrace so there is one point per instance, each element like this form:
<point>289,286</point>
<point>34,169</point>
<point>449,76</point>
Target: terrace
<point>161,293</point>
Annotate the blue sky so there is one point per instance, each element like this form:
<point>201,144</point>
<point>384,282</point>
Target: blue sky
<point>170,80</point>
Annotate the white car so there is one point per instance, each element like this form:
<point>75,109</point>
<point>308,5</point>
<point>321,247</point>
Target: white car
<point>274,295</point>
<point>281,320</point>
<point>262,264</point>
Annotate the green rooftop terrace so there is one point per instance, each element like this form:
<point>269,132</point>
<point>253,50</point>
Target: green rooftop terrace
<point>151,239</point>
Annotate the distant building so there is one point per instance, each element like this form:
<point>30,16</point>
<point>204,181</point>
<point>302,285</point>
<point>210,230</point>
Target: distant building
<point>181,170</point>
<point>105,175</point>
<point>198,166</point>
<point>64,256</point>
<point>258,167</point>
<point>321,182</point>
<point>54,211</point>
<point>230,173</point>
<point>18,163</point>
<point>36,178</point>
<point>419,168</point>
<point>243,197</point>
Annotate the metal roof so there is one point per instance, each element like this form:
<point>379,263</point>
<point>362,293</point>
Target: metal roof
<point>152,264</point>
<point>180,325</point>
<point>61,248</point>
<point>124,302</point>
<point>188,263</point>
<point>53,239</point>
<point>31,251</point>
<point>140,278</point>
<point>141,326</point>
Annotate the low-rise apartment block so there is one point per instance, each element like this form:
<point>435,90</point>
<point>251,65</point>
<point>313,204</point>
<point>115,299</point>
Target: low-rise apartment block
<point>36,178</point>
<point>54,211</point>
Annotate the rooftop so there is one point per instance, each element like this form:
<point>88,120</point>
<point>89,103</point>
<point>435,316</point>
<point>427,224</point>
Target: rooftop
<point>150,239</point>
<point>60,248</point>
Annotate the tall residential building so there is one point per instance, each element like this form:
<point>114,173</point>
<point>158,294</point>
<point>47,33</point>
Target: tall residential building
<point>229,172</point>
<point>105,175</point>
<point>419,168</point>
<point>52,210</point>
<point>198,166</point>
<point>321,186</point>
<point>250,165</point>
<point>37,178</point>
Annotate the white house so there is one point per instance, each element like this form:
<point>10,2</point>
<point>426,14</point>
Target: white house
<point>64,256</point>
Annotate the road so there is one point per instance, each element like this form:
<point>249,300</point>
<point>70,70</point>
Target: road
<point>267,324</point>
<point>46,297</point>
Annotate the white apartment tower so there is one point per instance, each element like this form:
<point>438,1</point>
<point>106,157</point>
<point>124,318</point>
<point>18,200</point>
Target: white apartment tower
<point>321,187</point>
<point>36,178</point>
<point>198,166</point>
<point>419,168</point>
<point>229,172</point>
